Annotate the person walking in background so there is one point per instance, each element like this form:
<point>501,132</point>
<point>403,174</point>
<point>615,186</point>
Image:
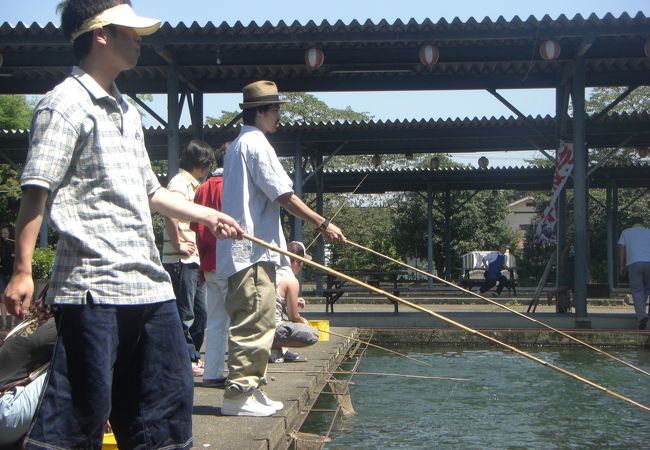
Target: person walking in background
<point>120,351</point>
<point>209,194</point>
<point>494,263</point>
<point>291,329</point>
<point>634,258</point>
<point>255,186</point>
<point>6,269</point>
<point>180,254</point>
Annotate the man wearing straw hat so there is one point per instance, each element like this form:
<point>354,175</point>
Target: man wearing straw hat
<point>254,187</point>
<point>120,351</point>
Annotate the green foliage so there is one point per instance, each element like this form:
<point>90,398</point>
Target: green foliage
<point>478,223</point>
<point>10,192</point>
<point>637,101</point>
<point>639,201</point>
<point>302,107</point>
<point>368,226</point>
<point>15,112</point>
<point>42,262</point>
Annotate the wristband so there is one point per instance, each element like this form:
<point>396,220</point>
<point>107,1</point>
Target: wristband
<point>323,226</point>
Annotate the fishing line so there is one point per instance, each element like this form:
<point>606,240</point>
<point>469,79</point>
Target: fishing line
<point>467,291</point>
<point>445,319</point>
<point>340,208</point>
<point>377,346</point>
<point>379,374</point>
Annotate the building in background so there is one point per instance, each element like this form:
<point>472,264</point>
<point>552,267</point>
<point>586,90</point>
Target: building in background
<point>521,214</point>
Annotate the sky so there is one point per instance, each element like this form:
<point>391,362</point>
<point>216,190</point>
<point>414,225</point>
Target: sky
<point>398,105</point>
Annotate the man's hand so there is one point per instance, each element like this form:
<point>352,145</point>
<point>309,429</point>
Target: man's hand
<point>333,233</point>
<point>18,294</point>
<point>224,227</point>
<point>186,248</point>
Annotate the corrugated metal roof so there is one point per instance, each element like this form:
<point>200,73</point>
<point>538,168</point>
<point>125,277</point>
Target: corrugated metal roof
<point>401,136</point>
<point>358,55</point>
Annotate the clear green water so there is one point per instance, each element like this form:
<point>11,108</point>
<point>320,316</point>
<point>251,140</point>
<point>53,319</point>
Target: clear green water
<point>510,402</point>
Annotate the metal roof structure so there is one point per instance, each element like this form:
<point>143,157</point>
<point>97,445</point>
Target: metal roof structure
<point>399,137</point>
<point>486,54</point>
<point>186,62</point>
<point>381,181</point>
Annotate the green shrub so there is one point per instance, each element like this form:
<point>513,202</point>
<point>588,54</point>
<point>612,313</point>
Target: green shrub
<point>42,262</point>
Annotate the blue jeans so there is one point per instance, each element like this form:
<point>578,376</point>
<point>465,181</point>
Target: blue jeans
<point>191,303</point>
<point>17,408</point>
<point>127,363</point>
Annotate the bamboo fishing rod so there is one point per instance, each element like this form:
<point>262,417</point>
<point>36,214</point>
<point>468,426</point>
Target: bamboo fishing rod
<point>377,346</point>
<point>467,291</point>
<point>444,319</point>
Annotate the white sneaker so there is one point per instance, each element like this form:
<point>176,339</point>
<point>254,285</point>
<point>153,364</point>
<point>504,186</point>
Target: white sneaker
<point>245,406</point>
<point>264,399</point>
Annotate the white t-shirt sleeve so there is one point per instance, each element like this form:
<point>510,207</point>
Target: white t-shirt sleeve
<point>267,172</point>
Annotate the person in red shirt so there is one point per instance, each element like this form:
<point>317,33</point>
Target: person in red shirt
<point>209,194</point>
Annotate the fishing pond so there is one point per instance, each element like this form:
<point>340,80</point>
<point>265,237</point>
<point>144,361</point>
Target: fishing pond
<point>507,402</point>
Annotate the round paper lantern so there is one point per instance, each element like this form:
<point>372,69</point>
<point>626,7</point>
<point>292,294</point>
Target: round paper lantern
<point>376,160</point>
<point>314,58</point>
<point>483,162</point>
<point>643,152</point>
<point>434,163</point>
<point>646,48</point>
<point>549,49</point>
<point>429,55</point>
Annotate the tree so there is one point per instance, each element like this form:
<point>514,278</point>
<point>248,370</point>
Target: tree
<point>302,107</point>
<point>479,225</point>
<point>15,114</point>
<point>637,101</point>
<point>637,199</point>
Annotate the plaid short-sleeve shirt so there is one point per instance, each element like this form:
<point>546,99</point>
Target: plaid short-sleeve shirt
<point>87,149</point>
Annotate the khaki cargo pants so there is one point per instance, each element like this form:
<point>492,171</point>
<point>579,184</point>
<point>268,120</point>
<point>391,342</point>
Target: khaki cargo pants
<point>250,303</point>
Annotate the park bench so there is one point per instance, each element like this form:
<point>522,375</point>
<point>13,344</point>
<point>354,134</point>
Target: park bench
<point>385,280</point>
<point>473,271</point>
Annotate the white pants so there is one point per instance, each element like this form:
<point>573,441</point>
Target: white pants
<point>217,328</point>
<point>17,409</point>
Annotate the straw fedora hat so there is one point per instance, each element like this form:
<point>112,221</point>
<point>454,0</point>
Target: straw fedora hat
<point>260,93</point>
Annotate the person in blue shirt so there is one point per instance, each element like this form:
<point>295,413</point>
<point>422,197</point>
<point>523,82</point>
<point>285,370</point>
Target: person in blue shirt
<point>494,263</point>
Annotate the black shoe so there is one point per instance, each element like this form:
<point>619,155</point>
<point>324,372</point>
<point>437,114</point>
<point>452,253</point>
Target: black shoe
<point>642,323</point>
<point>290,356</point>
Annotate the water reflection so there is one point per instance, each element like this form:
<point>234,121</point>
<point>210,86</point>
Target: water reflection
<point>510,402</point>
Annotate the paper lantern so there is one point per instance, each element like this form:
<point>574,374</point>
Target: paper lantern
<point>642,151</point>
<point>376,160</point>
<point>483,162</point>
<point>549,49</point>
<point>1,58</point>
<point>314,58</point>
<point>646,48</point>
<point>429,55</point>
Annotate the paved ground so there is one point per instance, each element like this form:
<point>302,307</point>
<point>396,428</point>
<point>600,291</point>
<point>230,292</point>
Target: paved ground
<point>297,385</point>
